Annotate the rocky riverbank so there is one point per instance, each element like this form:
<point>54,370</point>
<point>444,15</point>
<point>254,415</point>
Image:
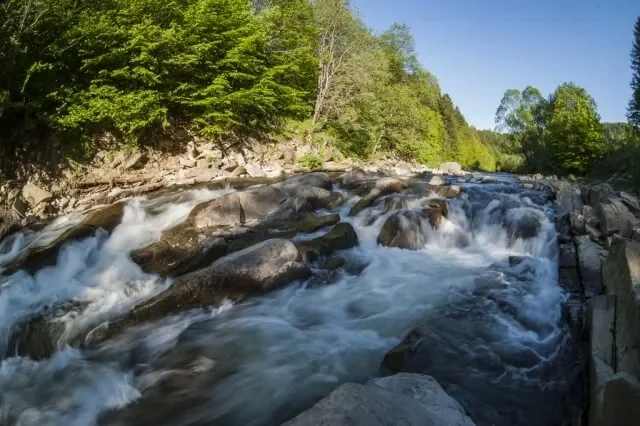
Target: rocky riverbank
<point>259,236</point>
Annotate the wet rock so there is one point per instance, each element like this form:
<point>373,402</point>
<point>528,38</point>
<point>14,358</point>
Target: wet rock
<point>341,237</point>
<point>382,187</point>
<point>354,178</point>
<point>615,218</point>
<point>621,277</point>
<point>34,195</point>
<point>451,168</point>
<point>396,359</point>
<point>621,405</point>
<point>404,229</point>
<point>437,180</point>
<point>590,262</point>
<point>407,399</point>
<point>334,262</point>
<point>448,191</point>
<point>250,272</point>
<point>238,208</point>
<point>635,234</point>
<point>106,218</point>
<point>578,223</point>
<point>315,179</point>
<point>597,194</point>
<point>602,357</point>
<point>435,209</point>
<point>39,336</point>
<point>523,223</point>
<point>317,198</point>
<point>181,250</point>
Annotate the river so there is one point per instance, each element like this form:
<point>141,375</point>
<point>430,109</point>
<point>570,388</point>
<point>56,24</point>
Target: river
<point>488,299</point>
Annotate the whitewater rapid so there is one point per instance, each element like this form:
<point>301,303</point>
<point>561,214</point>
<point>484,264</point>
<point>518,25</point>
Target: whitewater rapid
<point>263,361</point>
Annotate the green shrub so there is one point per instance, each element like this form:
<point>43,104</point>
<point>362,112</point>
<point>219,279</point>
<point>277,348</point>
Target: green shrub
<point>311,161</point>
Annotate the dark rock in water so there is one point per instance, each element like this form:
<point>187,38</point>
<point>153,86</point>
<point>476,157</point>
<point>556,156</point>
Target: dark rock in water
<point>182,249</point>
<point>341,237</point>
<point>404,229</point>
<point>354,178</point>
<point>524,225</point>
<point>334,262</point>
<point>396,359</point>
<point>106,218</point>
<point>250,272</point>
<point>621,405</point>
<point>39,337</point>
<point>382,187</point>
<point>435,210</point>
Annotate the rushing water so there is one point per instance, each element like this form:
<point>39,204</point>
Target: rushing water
<point>490,301</point>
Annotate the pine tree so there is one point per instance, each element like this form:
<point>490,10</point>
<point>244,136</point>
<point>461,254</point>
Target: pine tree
<point>633,111</point>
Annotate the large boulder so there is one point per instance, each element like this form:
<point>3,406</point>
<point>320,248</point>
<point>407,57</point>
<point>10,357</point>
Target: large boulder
<point>405,229</point>
<point>250,272</point>
<point>621,402</point>
<point>38,257</point>
<point>567,195</point>
<point>238,208</point>
<point>35,195</point>
<point>451,168</point>
<point>354,178</point>
<point>315,179</point>
<point>382,187</point>
<point>621,277</point>
<point>523,223</point>
<point>408,399</point>
<point>602,312</point>
<point>590,264</point>
<point>182,249</point>
<point>615,218</point>
<point>341,237</point>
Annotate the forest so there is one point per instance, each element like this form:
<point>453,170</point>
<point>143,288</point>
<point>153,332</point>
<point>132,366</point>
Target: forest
<point>79,75</point>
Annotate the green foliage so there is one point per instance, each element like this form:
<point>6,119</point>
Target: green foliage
<point>572,129</point>
<point>311,161</point>
<point>228,69</point>
<point>633,110</point>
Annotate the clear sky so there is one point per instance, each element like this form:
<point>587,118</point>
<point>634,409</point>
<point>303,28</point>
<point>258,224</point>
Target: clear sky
<point>479,48</point>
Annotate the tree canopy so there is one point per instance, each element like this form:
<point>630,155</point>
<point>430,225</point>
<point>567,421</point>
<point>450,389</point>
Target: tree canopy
<point>227,70</point>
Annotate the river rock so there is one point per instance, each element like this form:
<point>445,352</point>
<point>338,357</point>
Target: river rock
<point>523,224</point>
<point>134,161</point>
<point>341,237</point>
<point>437,180</point>
<point>8,223</point>
<point>249,272</point>
<point>382,187</point>
<point>289,156</point>
<point>615,218</point>
<point>567,195</point>
<point>238,208</point>
<point>597,194</point>
<point>631,202</point>
<point>182,249</point>
<point>448,191</point>
<point>34,195</point>
<point>106,218</point>
<point>602,357</point>
<point>621,402</point>
<point>406,400</point>
<point>354,178</point>
<point>621,277</point>
<point>590,263</point>
<point>255,171</point>
<point>451,168</point>
<point>404,229</point>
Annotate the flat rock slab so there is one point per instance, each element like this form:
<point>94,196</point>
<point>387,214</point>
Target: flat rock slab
<point>408,399</point>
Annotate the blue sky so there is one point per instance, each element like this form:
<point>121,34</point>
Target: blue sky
<point>479,48</point>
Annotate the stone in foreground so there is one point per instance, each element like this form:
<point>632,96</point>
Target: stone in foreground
<point>249,272</point>
<point>406,399</point>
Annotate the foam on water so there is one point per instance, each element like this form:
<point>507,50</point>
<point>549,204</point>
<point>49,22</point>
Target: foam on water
<point>264,360</point>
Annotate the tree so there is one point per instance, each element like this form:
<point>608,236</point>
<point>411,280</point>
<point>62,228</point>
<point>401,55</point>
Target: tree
<point>633,110</point>
<point>572,129</point>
